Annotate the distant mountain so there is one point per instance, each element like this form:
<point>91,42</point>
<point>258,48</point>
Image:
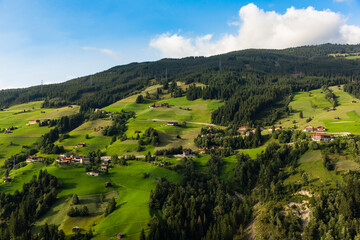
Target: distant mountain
<point>256,84</point>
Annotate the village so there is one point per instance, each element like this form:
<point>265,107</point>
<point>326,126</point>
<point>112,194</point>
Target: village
<point>317,137</point>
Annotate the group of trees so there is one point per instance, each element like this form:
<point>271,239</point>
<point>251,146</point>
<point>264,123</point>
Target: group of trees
<point>118,126</point>
<point>21,209</point>
<point>78,212</point>
<point>335,214</point>
<point>353,88</point>
<point>169,151</point>
<point>209,138</point>
<point>288,136</point>
<point>330,96</point>
<point>152,136</point>
<point>214,210</point>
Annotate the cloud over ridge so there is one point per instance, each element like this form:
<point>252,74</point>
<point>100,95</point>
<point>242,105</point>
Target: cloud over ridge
<point>264,29</point>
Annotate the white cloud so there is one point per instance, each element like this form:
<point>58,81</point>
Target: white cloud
<point>106,51</point>
<point>264,29</point>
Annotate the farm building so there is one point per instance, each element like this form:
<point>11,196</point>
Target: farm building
<point>275,127</point>
<point>80,145</point>
<point>189,154</point>
<point>309,129</point>
<point>104,167</point>
<point>320,129</point>
<point>172,124</point>
<point>85,161</point>
<point>105,158</point>
<point>318,137</point>
<point>94,173</point>
<point>120,235</point>
<point>33,122</point>
<point>31,159</point>
<point>242,129</point>
<point>336,118</point>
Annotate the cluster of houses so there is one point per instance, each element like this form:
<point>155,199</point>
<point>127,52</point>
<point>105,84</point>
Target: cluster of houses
<point>64,159</point>
<point>313,129</point>
<point>246,130</point>
<point>157,105</point>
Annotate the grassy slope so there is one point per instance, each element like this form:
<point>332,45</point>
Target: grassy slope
<point>133,190</point>
<point>318,175</point>
<point>313,106</point>
<point>133,193</point>
<point>26,135</point>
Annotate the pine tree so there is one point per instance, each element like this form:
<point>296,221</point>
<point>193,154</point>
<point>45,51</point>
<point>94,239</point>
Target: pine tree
<point>75,199</point>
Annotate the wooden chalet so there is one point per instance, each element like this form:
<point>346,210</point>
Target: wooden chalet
<point>242,129</point>
<point>120,235</point>
<point>33,122</point>
<point>320,129</point>
<point>309,129</point>
<point>31,159</point>
<point>319,137</point>
<point>84,161</point>
<point>104,167</point>
<point>94,173</point>
<point>275,127</point>
<point>172,124</point>
<point>80,145</point>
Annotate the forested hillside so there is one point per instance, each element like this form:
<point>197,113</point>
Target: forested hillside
<point>256,84</point>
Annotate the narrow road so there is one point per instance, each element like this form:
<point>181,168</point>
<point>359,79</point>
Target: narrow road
<point>199,123</point>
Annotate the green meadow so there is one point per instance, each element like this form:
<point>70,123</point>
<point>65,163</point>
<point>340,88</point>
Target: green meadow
<point>26,135</point>
<point>133,198</point>
<point>130,189</point>
<point>315,105</point>
<point>311,163</point>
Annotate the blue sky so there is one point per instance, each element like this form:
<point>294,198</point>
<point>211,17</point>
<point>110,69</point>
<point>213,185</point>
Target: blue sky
<point>53,41</point>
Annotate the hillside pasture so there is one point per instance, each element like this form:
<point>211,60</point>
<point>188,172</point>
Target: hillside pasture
<point>133,198</point>
<point>315,106</point>
<point>311,163</point>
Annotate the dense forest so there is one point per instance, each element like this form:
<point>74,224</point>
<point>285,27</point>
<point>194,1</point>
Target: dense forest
<point>256,85</point>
